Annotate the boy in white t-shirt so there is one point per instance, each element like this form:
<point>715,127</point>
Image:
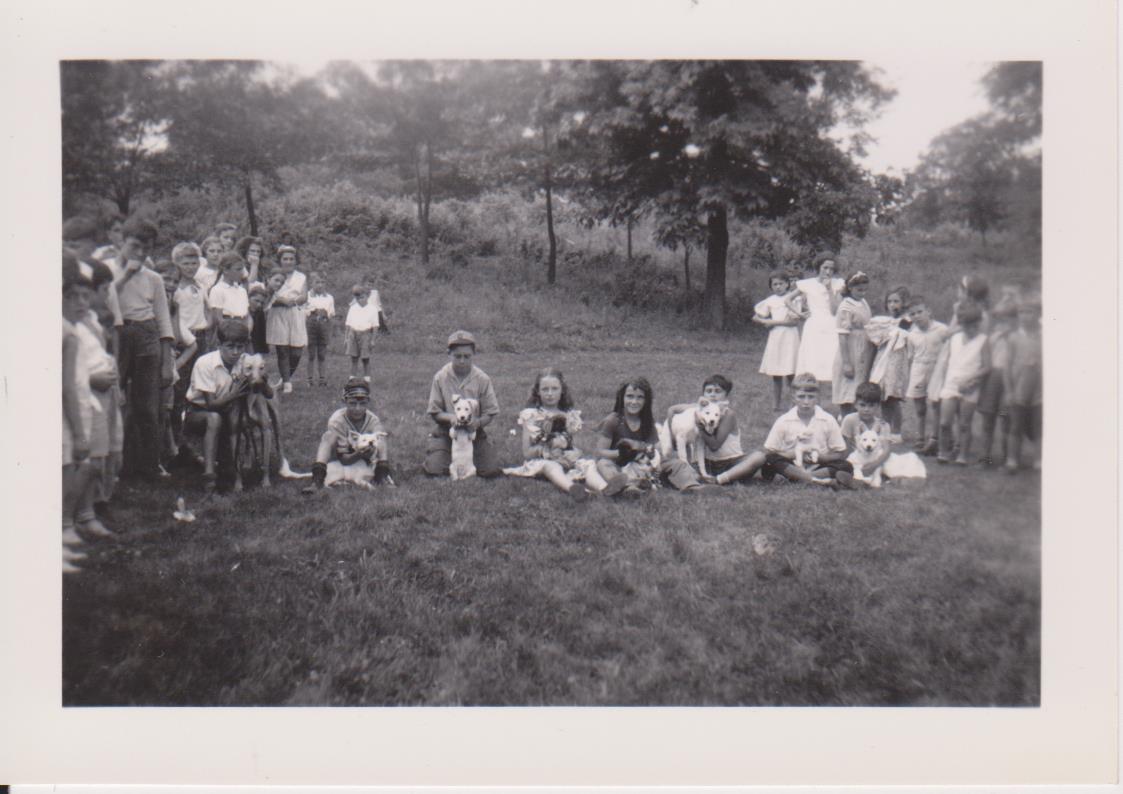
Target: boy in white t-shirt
<point>228,298</point>
<point>320,310</point>
<point>364,317</point>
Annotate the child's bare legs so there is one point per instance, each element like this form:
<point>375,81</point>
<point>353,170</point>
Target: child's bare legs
<point>366,369</point>
<point>949,409</point>
<point>966,417</point>
<point>71,493</point>
<point>283,366</point>
<point>210,444</point>
<point>891,411</point>
<point>1024,420</point>
<point>777,392</point>
<point>85,518</point>
<point>554,472</point>
<point>991,422</point>
<point>743,469</point>
<point>354,366</point>
<point>312,366</point>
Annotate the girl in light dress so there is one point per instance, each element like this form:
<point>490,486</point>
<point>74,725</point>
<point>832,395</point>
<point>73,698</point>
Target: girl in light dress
<point>890,370</point>
<point>853,361</point>
<point>549,423</point>
<point>782,321</point>
<point>818,344</point>
<point>284,324</point>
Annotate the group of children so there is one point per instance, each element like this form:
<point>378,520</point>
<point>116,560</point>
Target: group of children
<point>153,353</point>
<point>985,360</point>
<point>135,328</point>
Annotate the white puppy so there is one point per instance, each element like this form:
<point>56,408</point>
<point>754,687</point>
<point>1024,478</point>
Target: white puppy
<point>360,472</point>
<point>866,449</point>
<point>906,465</point>
<point>465,409</point>
<point>683,435</point>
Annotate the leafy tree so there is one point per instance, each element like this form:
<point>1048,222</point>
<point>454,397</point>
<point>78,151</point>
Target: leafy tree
<point>711,138</point>
<point>230,124</point>
<point>111,128</point>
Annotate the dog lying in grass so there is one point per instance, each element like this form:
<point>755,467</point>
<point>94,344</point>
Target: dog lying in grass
<point>869,448</point>
<point>361,472</point>
<point>462,466</point>
<point>682,436</point>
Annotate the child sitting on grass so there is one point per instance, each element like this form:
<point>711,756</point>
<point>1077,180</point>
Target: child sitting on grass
<point>816,435</point>
<point>216,382</point>
<point>726,462</point>
<point>626,434</point>
<point>340,440</point>
<point>1023,383</point>
<point>867,400</point>
<point>548,424</point>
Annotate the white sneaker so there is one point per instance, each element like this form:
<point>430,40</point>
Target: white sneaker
<point>70,537</point>
<point>287,388</point>
<point>366,378</point>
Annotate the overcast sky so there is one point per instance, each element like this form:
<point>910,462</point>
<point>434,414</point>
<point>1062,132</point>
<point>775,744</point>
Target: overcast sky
<point>931,97</point>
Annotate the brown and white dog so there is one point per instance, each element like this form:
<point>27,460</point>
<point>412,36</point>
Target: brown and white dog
<point>462,466</point>
<point>256,410</point>
<point>682,437</point>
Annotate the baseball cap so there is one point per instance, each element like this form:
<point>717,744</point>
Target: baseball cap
<point>461,338</point>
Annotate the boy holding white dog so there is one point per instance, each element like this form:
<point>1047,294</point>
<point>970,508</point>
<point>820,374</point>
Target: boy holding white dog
<point>806,444</point>
<point>343,439</point>
<point>460,377</point>
<point>867,399</point>
<point>726,461</point>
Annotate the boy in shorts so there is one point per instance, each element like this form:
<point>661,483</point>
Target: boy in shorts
<point>726,462</point>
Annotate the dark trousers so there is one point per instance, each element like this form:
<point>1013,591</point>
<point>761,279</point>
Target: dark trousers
<point>138,363</point>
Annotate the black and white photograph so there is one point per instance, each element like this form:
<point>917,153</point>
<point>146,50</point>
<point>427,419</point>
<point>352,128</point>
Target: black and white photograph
<point>593,384</point>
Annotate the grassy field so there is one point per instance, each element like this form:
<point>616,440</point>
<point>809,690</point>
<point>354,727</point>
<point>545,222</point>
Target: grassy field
<point>506,593</point>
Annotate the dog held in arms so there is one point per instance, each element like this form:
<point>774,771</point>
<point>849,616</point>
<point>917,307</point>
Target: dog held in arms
<point>462,466</point>
<point>683,437</point>
<point>361,472</point>
<point>257,409</point>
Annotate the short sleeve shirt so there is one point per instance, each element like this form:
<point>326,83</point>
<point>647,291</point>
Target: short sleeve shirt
<point>206,276</point>
<point>616,429</point>
<point>821,433</point>
<point>191,307</point>
<point>208,376</point>
<point>231,299</point>
<point>476,386</point>
<point>324,302</point>
<point>346,435</point>
<point>852,427</point>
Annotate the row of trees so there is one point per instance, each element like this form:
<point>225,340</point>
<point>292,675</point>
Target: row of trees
<point>688,144</point>
<point>986,171</point>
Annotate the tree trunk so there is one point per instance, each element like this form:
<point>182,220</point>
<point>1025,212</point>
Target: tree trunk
<point>629,226</point>
<point>427,201</point>
<point>249,207</point>
<point>717,246</point>
<point>686,266</point>
<point>552,260</point>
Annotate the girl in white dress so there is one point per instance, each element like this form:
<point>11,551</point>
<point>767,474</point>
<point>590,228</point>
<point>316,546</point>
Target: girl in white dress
<point>549,423</point>
<point>284,325</point>
<point>818,345</point>
<point>782,348</point>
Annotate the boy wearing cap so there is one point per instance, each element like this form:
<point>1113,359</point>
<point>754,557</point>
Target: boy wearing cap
<point>460,377</point>
<point>341,440</point>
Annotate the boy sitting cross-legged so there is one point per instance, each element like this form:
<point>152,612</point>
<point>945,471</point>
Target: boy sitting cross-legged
<point>342,441</point>
<point>812,433</point>
<point>726,461</point>
<point>217,381</point>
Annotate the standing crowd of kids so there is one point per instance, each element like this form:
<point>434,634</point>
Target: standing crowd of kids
<point>153,352</point>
